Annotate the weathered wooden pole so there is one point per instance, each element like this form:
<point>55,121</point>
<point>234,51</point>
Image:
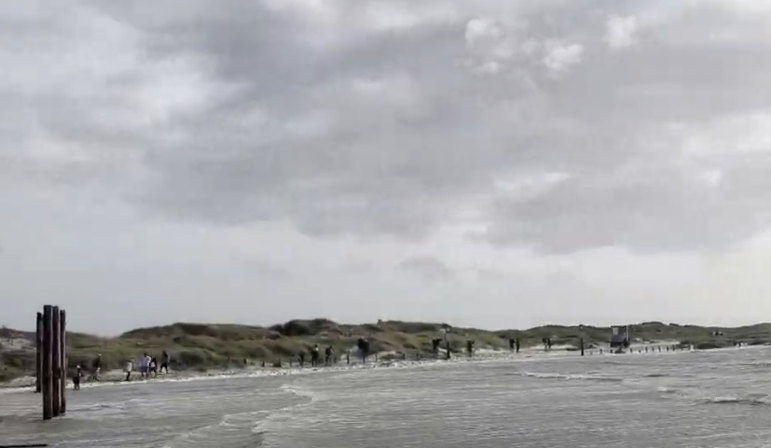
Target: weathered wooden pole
<point>39,354</point>
<point>65,364</point>
<point>47,376</point>
<point>56,360</point>
<point>582,346</point>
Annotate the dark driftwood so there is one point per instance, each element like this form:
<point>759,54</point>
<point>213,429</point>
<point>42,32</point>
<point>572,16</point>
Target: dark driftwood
<point>28,445</point>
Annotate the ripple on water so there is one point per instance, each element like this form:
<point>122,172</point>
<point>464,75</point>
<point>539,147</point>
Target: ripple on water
<point>696,399</point>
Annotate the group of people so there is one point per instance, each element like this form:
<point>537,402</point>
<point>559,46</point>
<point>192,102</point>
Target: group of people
<point>148,367</point>
<point>96,369</point>
<point>329,355</point>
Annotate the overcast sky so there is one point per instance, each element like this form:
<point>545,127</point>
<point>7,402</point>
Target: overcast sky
<point>489,163</point>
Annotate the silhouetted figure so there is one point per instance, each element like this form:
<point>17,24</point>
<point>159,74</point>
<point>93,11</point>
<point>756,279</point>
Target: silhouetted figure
<point>97,367</point>
<point>165,358</point>
<point>470,347</point>
<point>77,377</point>
<point>328,353</point>
<point>435,344</point>
<point>315,356</point>
<point>516,345</point>
<point>511,344</point>
<point>363,346</point>
<point>301,356</point>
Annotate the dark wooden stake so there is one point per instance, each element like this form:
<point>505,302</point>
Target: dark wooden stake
<point>65,361</point>
<point>47,376</point>
<point>56,360</point>
<point>582,346</point>
<point>39,354</point>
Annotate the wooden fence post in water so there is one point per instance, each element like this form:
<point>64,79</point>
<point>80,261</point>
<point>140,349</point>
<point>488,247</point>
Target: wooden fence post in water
<point>65,361</point>
<point>56,360</point>
<point>582,346</point>
<point>47,377</point>
<point>39,354</point>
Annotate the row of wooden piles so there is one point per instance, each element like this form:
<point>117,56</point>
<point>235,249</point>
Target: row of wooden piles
<point>51,360</point>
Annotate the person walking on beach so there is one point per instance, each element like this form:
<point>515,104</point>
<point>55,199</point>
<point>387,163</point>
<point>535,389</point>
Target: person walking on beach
<point>129,367</point>
<point>97,367</point>
<point>328,356</point>
<point>77,377</point>
<point>315,356</point>
<point>144,366</point>
<point>301,357</point>
<point>153,370</point>
<point>165,358</point>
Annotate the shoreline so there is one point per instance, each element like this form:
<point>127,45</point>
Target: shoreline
<point>115,378</point>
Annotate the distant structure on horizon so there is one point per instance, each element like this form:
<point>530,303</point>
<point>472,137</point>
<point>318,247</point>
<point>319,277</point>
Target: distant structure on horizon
<point>619,337</point>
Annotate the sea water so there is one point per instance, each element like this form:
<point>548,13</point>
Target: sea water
<point>685,399</point>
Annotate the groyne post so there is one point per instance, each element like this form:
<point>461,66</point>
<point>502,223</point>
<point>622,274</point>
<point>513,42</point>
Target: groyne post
<point>39,354</point>
<point>582,346</point>
<point>56,361</point>
<point>51,360</point>
<point>47,377</point>
<point>64,361</point>
<point>517,344</point>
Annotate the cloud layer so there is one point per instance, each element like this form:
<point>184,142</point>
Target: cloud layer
<point>551,126</point>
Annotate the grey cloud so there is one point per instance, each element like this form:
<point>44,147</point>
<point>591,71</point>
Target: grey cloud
<point>429,268</point>
<point>645,208</point>
<point>291,132</point>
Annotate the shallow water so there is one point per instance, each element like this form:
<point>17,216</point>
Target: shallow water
<point>699,399</point>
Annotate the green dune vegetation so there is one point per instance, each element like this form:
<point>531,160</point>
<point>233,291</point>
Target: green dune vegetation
<point>211,346</point>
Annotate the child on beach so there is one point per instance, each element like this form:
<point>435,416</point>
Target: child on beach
<point>97,365</point>
<point>77,377</point>
<point>153,369</point>
<point>128,369</point>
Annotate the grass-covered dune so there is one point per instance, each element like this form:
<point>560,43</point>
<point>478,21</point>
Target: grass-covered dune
<point>207,346</point>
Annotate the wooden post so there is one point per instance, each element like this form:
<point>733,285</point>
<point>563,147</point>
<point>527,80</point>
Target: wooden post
<point>39,354</point>
<point>582,346</point>
<point>63,351</point>
<point>47,376</point>
<point>56,360</point>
